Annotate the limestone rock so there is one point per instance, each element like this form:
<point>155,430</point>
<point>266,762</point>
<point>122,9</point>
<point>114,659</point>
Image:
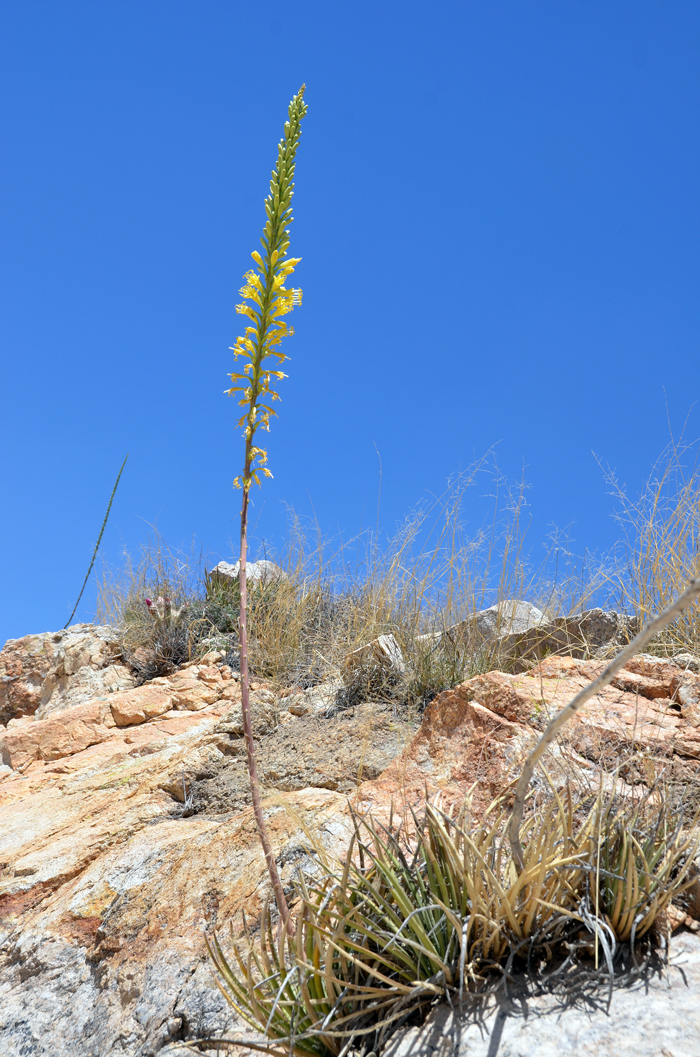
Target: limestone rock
<point>510,617</point>
<point>119,845</point>
<point>262,571</point>
<point>65,732</point>
<point>689,661</point>
<point>517,633</point>
<point>481,731</point>
<point>136,706</point>
<point>107,883</point>
<point>73,730</point>
<point>264,716</point>
<point>315,700</point>
<point>193,691</point>
<point>591,633</point>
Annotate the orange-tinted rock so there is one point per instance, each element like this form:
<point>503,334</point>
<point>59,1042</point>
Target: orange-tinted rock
<point>116,855</point>
<point>24,665</point>
<point>460,745</point>
<point>211,675</point>
<point>138,705</point>
<point>499,694</point>
<point>63,734</point>
<point>40,674</point>
<point>194,688</point>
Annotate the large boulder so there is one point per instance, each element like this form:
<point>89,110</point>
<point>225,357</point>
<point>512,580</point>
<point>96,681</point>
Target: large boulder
<point>516,633</point>
<point>510,617</point>
<point>590,633</point>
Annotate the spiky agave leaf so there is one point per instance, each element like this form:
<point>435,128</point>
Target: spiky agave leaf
<point>429,906</point>
<point>647,858</point>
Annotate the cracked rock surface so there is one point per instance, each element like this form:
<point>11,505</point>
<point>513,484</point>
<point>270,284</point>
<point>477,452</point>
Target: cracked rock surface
<point>126,831</point>
<point>126,827</point>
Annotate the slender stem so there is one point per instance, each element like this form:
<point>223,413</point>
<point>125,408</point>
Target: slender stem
<point>280,898</point>
<point>646,635</point>
<point>97,545</point>
<point>271,306</point>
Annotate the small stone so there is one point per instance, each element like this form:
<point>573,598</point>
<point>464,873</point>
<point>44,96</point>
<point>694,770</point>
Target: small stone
<point>382,652</point>
<point>688,661</point>
<point>213,657</point>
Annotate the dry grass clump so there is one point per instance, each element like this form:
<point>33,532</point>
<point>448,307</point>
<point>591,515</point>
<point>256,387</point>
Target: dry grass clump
<point>433,907</point>
<point>431,576</point>
<point>180,623</point>
<point>660,550</point>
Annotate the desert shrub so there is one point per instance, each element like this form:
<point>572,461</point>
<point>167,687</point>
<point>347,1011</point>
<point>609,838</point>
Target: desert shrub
<point>337,596</point>
<point>434,906</point>
<point>431,575</point>
<point>182,621</point>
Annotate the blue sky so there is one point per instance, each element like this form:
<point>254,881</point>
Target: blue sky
<point>497,211</point>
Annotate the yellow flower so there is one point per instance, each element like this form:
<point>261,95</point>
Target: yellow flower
<point>266,300</point>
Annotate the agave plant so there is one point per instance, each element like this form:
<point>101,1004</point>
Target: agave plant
<point>646,860</point>
<point>418,909</point>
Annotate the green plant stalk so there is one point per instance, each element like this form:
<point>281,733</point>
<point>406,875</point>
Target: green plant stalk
<point>270,301</point>
<point>97,545</point>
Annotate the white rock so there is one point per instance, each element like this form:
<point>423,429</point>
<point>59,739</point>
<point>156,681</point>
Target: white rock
<point>384,652</point>
<point>511,617</point>
<point>314,700</point>
<point>262,571</point>
<point>688,661</point>
<point>656,1016</point>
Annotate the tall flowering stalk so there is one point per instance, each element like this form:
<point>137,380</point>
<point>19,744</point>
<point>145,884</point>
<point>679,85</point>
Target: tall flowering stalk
<point>265,302</point>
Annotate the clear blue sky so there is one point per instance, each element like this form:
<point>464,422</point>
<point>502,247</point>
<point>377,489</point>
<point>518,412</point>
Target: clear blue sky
<point>497,210</point>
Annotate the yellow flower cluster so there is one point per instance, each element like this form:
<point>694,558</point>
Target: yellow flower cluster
<point>265,301</point>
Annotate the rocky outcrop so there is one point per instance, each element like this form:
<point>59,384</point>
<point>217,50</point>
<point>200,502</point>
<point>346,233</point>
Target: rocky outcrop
<point>126,825</point>
<point>126,831</point>
<point>517,634</point>
<point>478,734</point>
<point>40,674</point>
